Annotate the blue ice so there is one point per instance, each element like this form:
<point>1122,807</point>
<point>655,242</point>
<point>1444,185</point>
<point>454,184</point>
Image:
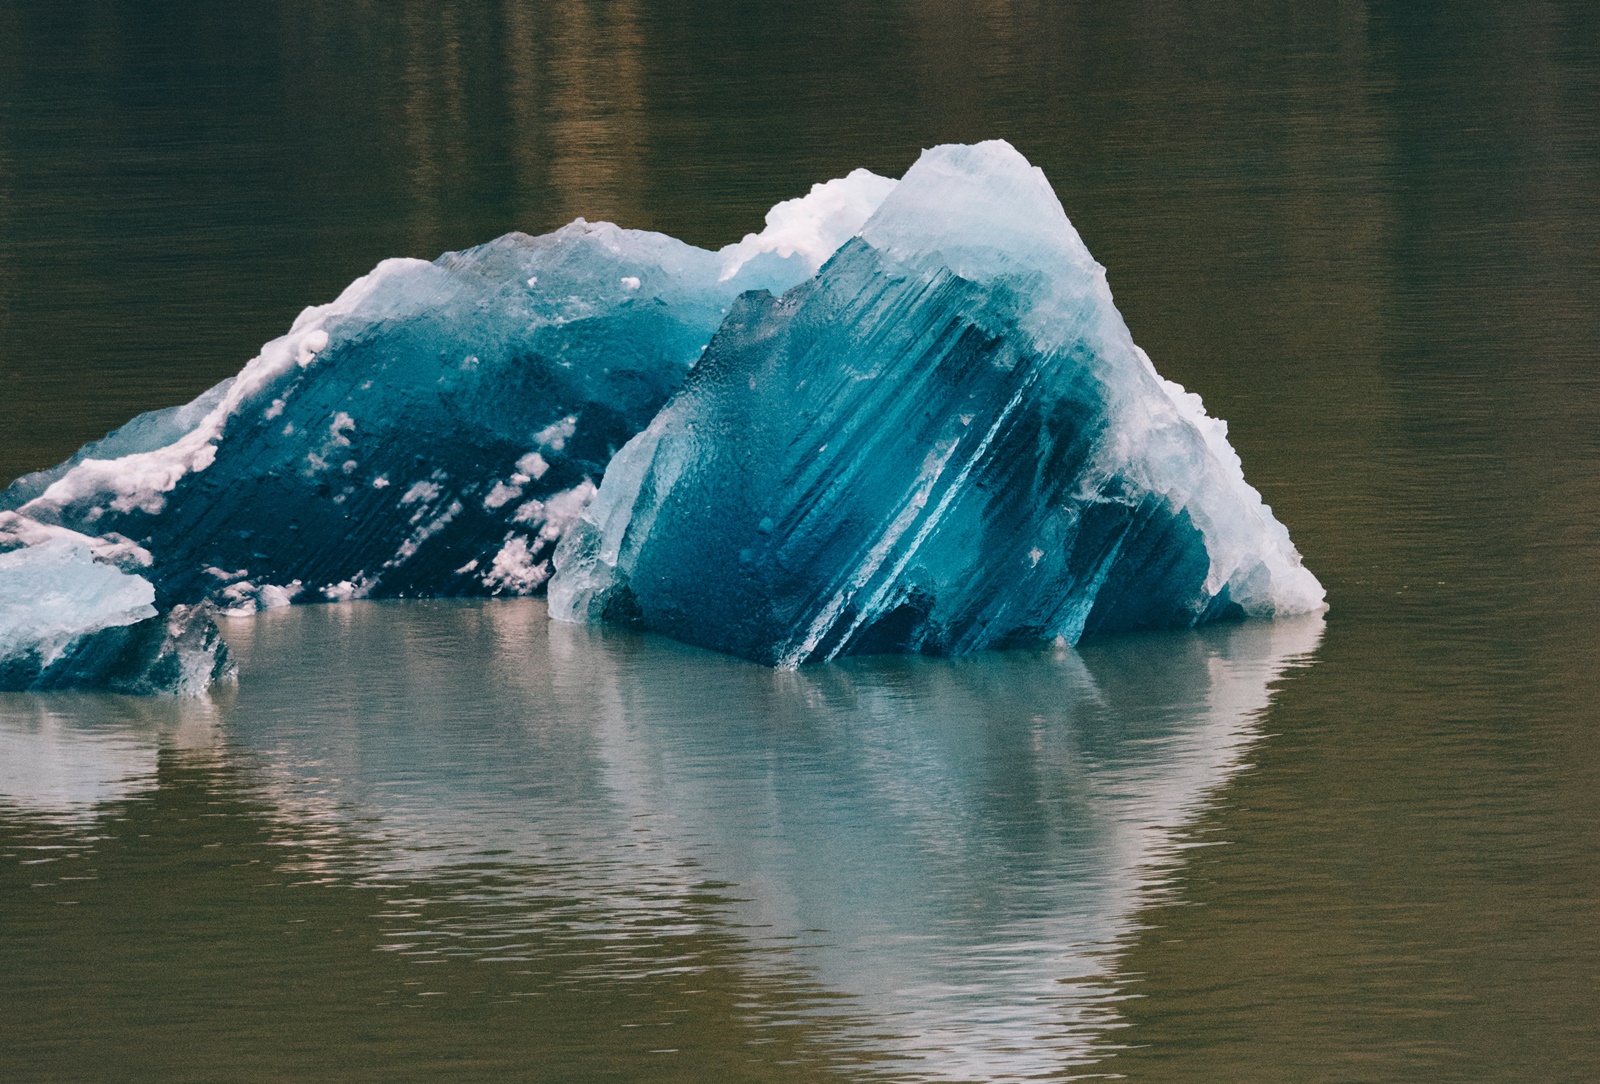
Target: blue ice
<point>433,430</point>
<point>72,619</point>
<point>946,441</point>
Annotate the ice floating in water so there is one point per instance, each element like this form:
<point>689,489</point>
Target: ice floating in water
<point>70,620</point>
<point>943,440</point>
<point>946,441</point>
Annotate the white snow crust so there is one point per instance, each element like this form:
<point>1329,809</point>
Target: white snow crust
<point>812,227</point>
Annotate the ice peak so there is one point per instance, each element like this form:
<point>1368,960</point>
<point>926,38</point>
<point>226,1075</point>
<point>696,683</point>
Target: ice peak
<point>985,209</point>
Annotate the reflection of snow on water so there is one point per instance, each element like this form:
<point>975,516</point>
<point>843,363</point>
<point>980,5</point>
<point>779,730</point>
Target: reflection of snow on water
<point>946,851</point>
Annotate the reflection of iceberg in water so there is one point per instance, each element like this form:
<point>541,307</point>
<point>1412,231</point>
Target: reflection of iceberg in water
<point>65,756</point>
<point>958,838</point>
<point>954,844</point>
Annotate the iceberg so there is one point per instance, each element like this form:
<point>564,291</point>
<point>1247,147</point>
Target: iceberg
<point>906,416</point>
<point>945,441</point>
<point>433,430</point>
<point>69,619</point>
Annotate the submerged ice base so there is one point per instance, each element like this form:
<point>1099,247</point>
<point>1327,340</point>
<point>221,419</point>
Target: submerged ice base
<point>946,441</point>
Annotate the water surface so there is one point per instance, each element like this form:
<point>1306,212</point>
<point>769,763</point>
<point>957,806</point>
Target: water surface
<point>1367,234</point>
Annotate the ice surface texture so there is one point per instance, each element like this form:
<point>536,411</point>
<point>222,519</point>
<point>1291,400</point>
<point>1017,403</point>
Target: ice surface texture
<point>70,620</point>
<point>432,430</point>
<point>945,441</point>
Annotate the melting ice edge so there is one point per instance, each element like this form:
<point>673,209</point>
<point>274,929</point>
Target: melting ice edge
<point>905,417</point>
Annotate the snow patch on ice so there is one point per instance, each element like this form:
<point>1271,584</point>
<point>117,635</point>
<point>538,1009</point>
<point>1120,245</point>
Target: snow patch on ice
<point>408,549</point>
<point>555,435</point>
<point>310,346</point>
<point>812,227</point>
<point>503,494</point>
<point>559,512</point>
<point>422,491</point>
<point>514,571</point>
<point>533,465</point>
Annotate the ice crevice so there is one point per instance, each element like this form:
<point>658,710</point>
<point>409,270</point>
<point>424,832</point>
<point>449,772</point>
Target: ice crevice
<point>905,416</point>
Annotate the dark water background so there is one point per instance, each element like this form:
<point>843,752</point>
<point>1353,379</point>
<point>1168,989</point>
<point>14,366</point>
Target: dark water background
<point>1367,234</point>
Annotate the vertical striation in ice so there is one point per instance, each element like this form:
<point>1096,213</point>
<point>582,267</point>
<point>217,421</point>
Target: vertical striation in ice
<point>945,441</point>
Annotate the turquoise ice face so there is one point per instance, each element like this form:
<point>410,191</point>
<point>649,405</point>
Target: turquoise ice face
<point>946,441</point>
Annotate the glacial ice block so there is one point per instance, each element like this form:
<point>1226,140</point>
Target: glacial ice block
<point>945,441</point>
<point>433,430</point>
<point>70,620</point>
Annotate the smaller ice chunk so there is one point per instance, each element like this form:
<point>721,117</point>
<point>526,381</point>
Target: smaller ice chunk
<point>55,592</point>
<point>68,620</point>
